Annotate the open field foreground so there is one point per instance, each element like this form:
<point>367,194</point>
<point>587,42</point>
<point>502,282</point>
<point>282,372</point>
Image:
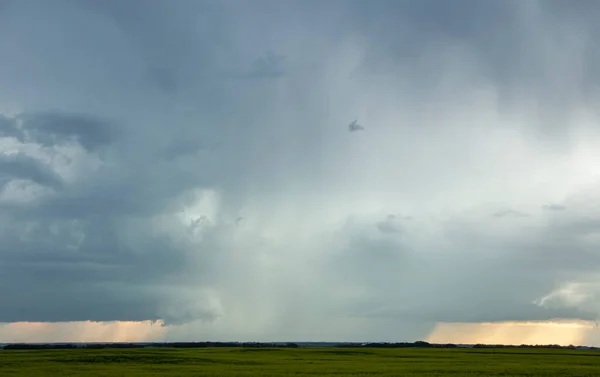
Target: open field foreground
<point>300,362</point>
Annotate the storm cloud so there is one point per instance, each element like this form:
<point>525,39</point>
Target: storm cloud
<point>134,136</point>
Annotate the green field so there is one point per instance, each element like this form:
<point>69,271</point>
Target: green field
<point>300,362</point>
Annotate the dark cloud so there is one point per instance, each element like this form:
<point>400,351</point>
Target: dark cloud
<point>354,126</point>
<point>77,240</point>
<point>52,127</point>
<point>49,128</point>
<point>8,128</point>
<point>21,166</point>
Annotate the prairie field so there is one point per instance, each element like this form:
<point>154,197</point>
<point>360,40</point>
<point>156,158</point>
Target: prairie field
<point>267,362</point>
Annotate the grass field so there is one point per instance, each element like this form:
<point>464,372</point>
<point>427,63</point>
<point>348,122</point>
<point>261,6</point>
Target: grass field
<point>300,362</point>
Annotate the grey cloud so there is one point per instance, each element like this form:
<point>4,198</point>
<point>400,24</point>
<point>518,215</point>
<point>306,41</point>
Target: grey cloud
<point>21,166</point>
<point>51,127</point>
<point>492,281</point>
<point>526,62</point>
<point>8,128</point>
<point>137,277</point>
<point>83,234</point>
<point>353,127</point>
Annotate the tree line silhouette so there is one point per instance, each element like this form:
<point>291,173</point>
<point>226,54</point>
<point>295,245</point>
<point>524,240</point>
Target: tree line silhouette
<point>418,344</point>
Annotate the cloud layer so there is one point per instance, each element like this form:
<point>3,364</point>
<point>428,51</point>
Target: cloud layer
<point>191,163</point>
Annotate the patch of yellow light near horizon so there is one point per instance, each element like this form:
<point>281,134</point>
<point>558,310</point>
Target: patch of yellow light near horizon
<point>86,331</point>
<point>512,333</point>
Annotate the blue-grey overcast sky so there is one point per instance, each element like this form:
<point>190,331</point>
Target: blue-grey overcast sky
<point>190,162</point>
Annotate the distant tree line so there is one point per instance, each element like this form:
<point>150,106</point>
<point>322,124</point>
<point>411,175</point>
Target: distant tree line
<point>418,344</point>
<point>37,346</point>
<point>556,346</point>
<point>422,344</point>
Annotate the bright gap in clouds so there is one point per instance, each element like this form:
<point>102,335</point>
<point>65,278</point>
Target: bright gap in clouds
<point>41,332</point>
<point>517,333</point>
<point>563,333</point>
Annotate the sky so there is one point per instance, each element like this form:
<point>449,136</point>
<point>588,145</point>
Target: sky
<point>184,171</point>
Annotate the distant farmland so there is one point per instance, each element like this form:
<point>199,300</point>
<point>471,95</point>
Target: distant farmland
<point>332,361</point>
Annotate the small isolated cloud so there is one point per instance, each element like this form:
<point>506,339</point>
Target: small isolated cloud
<point>354,126</point>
